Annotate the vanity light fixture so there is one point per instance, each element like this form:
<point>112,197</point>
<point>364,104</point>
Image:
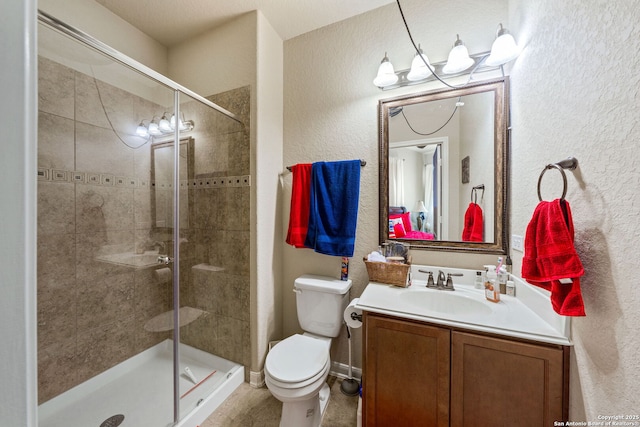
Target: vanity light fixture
<point>504,48</point>
<point>163,126</point>
<point>459,62</point>
<point>386,74</point>
<point>459,59</point>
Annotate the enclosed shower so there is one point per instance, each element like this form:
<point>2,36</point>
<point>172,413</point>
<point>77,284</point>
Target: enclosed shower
<point>143,240</point>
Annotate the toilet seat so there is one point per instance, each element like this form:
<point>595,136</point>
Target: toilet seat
<point>297,361</point>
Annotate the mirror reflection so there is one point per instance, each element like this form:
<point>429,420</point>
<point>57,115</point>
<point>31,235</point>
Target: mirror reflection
<point>443,160</point>
<point>162,160</point>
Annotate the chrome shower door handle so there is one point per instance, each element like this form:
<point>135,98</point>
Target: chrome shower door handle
<point>165,259</point>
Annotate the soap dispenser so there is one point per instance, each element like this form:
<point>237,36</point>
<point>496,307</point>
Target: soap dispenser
<point>491,286</point>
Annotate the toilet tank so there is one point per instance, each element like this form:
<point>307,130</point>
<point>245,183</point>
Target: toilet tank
<point>321,302</point>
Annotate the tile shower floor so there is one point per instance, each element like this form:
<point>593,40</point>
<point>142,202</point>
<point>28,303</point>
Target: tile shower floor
<point>256,407</point>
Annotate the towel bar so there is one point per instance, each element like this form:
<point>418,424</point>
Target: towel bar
<point>570,163</point>
<point>362,163</point>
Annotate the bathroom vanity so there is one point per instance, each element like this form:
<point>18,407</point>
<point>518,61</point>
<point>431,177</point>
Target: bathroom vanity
<point>438,358</point>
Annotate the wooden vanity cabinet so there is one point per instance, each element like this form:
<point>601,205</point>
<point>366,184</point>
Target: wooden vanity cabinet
<point>419,374</point>
<point>406,373</point>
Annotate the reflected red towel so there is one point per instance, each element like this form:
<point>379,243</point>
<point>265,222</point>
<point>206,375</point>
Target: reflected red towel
<point>549,256</point>
<point>473,224</point>
<point>299,215</point>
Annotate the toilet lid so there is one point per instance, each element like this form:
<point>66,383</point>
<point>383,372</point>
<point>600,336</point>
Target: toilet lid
<point>297,358</point>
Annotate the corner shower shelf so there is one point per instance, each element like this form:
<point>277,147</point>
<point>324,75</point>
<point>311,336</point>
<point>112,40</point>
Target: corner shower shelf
<point>131,259</point>
<point>164,321</point>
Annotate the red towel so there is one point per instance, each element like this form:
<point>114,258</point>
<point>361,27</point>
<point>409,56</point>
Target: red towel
<point>299,215</point>
<point>550,256</point>
<point>473,224</point>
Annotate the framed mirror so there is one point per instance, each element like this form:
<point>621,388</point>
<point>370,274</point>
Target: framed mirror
<point>162,175</point>
<point>443,168</point>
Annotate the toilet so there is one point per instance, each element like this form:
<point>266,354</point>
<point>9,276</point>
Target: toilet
<point>297,367</point>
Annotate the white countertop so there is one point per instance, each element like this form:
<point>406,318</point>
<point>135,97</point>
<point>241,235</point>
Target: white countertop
<point>528,315</point>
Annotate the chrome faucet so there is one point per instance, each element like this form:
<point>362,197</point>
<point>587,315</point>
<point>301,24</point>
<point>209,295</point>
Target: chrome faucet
<point>440,283</point>
<point>443,283</point>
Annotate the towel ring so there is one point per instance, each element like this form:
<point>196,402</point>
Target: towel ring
<point>564,179</point>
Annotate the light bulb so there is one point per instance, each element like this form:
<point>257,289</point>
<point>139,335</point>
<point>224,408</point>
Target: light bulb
<point>503,50</point>
<point>419,70</point>
<point>164,124</point>
<point>142,131</point>
<point>459,59</point>
<point>153,128</point>
<point>386,74</point>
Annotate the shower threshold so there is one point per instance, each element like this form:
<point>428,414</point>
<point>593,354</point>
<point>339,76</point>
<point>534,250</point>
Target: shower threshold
<point>141,389</point>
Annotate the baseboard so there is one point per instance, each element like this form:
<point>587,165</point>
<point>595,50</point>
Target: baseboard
<point>256,379</point>
<point>341,370</point>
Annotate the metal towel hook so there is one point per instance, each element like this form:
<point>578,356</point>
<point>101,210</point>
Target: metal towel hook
<point>570,163</point>
<point>474,193</point>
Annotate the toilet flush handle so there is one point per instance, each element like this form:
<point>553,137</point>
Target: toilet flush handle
<point>297,291</point>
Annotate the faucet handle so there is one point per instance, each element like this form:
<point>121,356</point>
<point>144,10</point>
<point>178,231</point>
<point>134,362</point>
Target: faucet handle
<point>430,283</point>
<point>449,285</point>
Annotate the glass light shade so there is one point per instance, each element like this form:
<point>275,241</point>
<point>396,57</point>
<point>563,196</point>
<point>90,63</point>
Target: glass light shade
<point>153,129</point>
<point>458,60</point>
<point>164,125</point>
<point>142,131</point>
<point>503,50</point>
<point>419,70</point>
<point>386,74</point>
<point>186,125</point>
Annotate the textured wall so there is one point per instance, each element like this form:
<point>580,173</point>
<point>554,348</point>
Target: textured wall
<point>109,28</point>
<point>331,114</point>
<point>575,93</point>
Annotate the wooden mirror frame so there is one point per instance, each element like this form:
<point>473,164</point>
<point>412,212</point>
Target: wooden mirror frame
<point>500,88</point>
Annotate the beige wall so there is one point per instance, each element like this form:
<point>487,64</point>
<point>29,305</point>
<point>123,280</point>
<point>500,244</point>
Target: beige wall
<point>331,114</point>
<point>102,24</point>
<point>574,93</point>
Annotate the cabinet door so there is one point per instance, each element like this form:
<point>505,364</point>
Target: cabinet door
<point>406,373</point>
<point>496,382</point>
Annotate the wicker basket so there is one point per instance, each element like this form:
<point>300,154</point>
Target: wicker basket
<point>388,272</point>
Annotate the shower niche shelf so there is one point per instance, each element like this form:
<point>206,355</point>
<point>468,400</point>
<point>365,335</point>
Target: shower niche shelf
<point>164,322</point>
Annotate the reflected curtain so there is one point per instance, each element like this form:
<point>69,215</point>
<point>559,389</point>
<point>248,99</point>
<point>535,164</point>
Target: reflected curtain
<point>396,181</point>
<point>427,182</point>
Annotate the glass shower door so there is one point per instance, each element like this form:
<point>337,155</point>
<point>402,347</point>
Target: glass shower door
<point>104,335</point>
<point>213,202</point>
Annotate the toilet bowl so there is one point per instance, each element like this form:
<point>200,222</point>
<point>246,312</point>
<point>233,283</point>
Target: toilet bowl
<point>296,371</point>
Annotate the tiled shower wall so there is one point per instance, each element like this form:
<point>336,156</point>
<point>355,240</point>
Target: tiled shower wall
<point>94,198</point>
<point>216,264</point>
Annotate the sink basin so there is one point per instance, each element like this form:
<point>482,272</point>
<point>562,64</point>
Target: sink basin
<point>530,316</point>
<point>450,303</point>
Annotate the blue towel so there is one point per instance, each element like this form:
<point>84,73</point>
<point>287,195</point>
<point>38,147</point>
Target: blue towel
<point>333,208</point>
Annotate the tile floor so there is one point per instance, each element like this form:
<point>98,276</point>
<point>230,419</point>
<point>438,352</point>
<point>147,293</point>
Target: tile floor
<point>256,407</point>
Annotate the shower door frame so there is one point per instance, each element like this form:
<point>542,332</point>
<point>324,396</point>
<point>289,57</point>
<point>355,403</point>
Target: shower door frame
<point>178,89</point>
